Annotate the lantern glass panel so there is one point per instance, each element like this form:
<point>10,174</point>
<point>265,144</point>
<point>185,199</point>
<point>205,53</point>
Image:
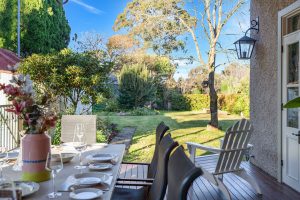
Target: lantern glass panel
<point>246,49</point>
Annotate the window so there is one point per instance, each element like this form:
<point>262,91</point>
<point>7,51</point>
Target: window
<point>293,23</point>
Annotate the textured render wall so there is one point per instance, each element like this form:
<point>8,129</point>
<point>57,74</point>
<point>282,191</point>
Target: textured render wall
<point>263,84</point>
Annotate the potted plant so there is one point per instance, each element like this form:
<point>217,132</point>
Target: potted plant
<point>37,118</point>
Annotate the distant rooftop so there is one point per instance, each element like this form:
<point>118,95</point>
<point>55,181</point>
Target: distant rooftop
<point>7,58</point>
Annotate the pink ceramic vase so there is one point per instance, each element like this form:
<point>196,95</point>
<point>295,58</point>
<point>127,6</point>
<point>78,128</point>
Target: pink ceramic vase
<point>35,148</point>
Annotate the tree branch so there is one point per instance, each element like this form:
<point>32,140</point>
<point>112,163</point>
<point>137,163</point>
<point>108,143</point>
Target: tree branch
<point>228,16</point>
<point>192,32</point>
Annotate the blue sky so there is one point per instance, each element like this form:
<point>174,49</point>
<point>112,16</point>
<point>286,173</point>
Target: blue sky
<point>99,16</point>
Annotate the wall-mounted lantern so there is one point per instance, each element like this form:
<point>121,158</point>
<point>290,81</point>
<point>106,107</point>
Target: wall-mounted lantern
<point>245,45</point>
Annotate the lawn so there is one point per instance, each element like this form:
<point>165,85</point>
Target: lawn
<point>184,126</point>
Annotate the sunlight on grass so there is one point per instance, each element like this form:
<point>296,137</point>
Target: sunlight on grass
<point>184,127</point>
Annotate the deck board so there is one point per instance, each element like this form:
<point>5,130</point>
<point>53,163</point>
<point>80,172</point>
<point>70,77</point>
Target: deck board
<point>240,190</point>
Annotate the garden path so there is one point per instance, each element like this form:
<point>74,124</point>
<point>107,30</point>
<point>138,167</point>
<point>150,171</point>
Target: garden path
<point>124,137</point>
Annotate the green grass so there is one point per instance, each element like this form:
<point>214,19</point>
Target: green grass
<point>184,127</point>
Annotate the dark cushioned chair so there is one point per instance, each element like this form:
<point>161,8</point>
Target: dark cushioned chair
<point>161,130</point>
<point>181,174</point>
<point>157,189</point>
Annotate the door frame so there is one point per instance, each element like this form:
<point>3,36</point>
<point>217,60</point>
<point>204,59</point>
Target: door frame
<point>294,7</point>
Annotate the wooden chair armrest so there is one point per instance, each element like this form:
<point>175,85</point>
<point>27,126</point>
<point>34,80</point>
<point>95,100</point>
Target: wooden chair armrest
<point>193,146</point>
<point>135,163</point>
<point>136,179</point>
<point>134,184</point>
<point>203,147</point>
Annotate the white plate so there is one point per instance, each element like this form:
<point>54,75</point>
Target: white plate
<point>91,178</point>
<point>66,157</point>
<point>68,144</point>
<point>100,166</point>
<point>10,155</point>
<point>99,145</point>
<point>101,157</point>
<point>86,194</point>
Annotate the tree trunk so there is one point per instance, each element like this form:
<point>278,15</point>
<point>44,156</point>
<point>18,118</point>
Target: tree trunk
<point>213,100</point>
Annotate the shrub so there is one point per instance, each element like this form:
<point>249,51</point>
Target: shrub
<point>106,130</point>
<point>101,137</point>
<point>57,133</point>
<point>235,104</point>
<point>232,103</point>
<point>143,111</point>
<point>136,86</point>
<point>179,102</point>
<point>112,106</point>
<point>98,107</point>
<point>197,101</point>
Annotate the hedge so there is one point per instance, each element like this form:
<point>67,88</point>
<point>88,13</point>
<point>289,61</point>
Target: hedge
<point>232,103</point>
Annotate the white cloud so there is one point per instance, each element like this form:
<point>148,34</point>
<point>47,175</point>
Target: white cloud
<point>88,7</point>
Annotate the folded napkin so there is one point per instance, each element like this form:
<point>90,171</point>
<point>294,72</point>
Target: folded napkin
<point>71,181</point>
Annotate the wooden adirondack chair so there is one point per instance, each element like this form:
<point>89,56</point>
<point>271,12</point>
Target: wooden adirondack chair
<point>228,158</point>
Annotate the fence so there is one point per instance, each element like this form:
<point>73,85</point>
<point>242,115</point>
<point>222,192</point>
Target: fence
<point>9,128</point>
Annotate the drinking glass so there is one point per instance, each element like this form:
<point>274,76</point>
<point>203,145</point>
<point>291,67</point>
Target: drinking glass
<point>79,143</point>
<point>54,165</point>
<point>3,162</point>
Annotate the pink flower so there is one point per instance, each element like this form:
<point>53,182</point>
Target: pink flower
<point>17,107</point>
<point>2,86</point>
<point>11,90</point>
<point>50,121</point>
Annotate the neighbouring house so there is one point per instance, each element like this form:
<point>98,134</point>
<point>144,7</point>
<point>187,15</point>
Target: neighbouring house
<point>7,58</point>
<point>274,79</point>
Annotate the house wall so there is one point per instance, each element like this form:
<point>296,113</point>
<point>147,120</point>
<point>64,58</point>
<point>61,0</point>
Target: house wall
<point>263,84</point>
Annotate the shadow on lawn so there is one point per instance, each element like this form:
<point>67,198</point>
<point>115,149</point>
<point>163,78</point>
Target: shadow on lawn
<point>224,124</point>
<point>184,135</point>
<point>176,137</point>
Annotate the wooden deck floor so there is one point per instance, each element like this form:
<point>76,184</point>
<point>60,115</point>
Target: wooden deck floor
<point>240,189</point>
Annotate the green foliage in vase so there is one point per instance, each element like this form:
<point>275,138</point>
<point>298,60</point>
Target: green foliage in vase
<point>44,27</point>
<point>136,87</point>
<point>74,77</point>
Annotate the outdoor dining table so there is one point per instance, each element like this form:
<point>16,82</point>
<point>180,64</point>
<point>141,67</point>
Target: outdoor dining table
<point>68,170</point>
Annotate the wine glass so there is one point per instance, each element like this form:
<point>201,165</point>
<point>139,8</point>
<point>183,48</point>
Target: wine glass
<point>19,163</point>
<point>54,165</point>
<point>79,142</point>
<point>9,190</point>
<point>3,162</point>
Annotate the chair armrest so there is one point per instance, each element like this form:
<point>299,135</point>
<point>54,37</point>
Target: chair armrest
<point>203,147</point>
<point>193,146</point>
<point>136,179</point>
<point>135,163</point>
<point>134,184</point>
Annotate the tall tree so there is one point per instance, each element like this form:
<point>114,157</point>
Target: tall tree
<point>44,27</point>
<point>162,24</point>
<point>76,77</point>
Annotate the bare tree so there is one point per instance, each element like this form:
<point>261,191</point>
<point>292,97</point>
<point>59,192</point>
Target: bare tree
<point>161,24</point>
